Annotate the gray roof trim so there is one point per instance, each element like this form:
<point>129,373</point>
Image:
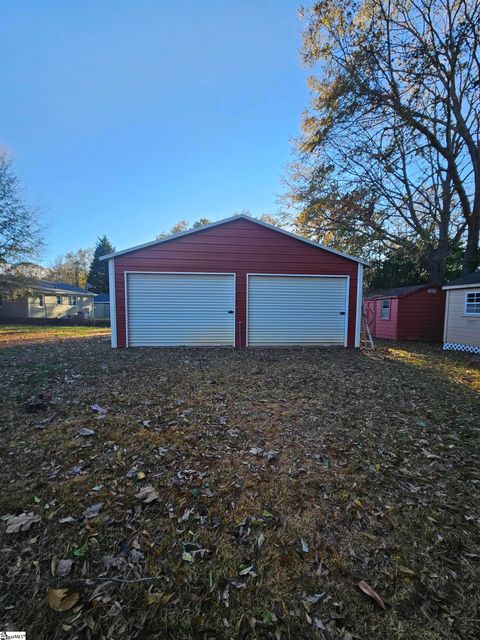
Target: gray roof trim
<point>59,287</point>
<point>471,285</point>
<point>464,282</point>
<point>241,216</point>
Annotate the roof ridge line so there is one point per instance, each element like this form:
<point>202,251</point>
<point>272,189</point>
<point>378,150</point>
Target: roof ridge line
<point>238,216</point>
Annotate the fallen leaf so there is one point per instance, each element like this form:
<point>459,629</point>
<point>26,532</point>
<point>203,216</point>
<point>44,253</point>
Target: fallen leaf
<point>367,589</point>
<point>81,551</point>
<point>84,431</point>
<point>313,599</point>
<point>62,599</point>
<point>319,624</point>
<point>92,511</point>
<point>114,562</point>
<point>63,568</point>
<point>53,566</point>
<point>147,494</point>
<point>23,522</point>
<point>406,570</point>
<point>159,598</point>
<point>98,409</point>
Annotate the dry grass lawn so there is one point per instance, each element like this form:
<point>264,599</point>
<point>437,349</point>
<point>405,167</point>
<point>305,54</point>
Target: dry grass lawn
<point>15,335</point>
<point>217,494</point>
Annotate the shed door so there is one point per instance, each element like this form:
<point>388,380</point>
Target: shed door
<point>172,309</point>
<point>296,310</point>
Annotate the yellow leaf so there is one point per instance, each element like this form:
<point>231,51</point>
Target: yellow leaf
<point>159,598</point>
<point>62,599</point>
<point>53,566</point>
<point>140,475</point>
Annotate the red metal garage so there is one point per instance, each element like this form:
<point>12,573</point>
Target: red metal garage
<point>406,313</point>
<point>238,282</point>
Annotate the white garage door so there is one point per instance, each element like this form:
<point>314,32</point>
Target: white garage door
<point>171,309</point>
<point>296,310</point>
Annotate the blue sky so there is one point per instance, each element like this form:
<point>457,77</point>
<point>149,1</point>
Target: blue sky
<point>124,116</point>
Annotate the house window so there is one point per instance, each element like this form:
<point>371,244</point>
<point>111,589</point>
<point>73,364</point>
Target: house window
<point>59,299</point>
<point>40,300</point>
<point>385,310</point>
<point>72,301</point>
<point>472,303</point>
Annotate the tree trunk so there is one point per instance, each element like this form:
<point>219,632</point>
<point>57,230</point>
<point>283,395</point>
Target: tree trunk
<point>435,262</point>
<point>471,259</point>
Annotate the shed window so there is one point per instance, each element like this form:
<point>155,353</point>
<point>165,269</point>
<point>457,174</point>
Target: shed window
<point>385,310</point>
<point>472,303</point>
<point>40,300</point>
<point>59,299</point>
<point>72,301</point>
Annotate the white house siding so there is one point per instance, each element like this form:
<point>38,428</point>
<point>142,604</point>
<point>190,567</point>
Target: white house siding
<point>461,330</point>
<point>51,309</point>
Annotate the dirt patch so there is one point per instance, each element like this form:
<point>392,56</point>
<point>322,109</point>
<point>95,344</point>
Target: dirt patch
<point>224,494</point>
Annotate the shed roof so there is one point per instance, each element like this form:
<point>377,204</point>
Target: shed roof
<point>240,216</point>
<point>397,292</point>
<point>464,281</point>
<point>59,287</point>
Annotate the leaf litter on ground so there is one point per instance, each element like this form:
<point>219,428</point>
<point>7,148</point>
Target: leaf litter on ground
<point>342,484</point>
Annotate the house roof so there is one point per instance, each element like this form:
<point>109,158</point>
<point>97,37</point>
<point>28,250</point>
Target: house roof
<point>464,281</point>
<point>102,297</point>
<point>241,216</point>
<point>397,292</point>
<point>59,287</point>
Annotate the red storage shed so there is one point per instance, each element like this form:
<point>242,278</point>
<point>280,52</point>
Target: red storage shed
<point>406,313</point>
<point>237,282</point>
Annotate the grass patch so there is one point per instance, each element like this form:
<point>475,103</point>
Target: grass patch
<point>282,478</point>
<point>16,335</point>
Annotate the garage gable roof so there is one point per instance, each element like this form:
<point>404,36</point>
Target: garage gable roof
<point>240,216</point>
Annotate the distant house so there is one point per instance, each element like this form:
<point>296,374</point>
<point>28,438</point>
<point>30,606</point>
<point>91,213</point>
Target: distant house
<point>101,306</point>
<point>462,314</point>
<point>50,300</point>
<point>406,313</point>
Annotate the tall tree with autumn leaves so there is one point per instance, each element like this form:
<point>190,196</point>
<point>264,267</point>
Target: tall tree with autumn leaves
<point>390,155</point>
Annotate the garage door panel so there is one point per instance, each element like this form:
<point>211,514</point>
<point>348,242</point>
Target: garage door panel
<point>296,310</point>
<point>180,309</point>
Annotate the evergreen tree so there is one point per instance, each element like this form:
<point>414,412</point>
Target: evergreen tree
<point>98,274</point>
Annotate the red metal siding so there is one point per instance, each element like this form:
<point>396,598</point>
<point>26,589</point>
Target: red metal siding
<point>421,316</point>
<point>239,247</point>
